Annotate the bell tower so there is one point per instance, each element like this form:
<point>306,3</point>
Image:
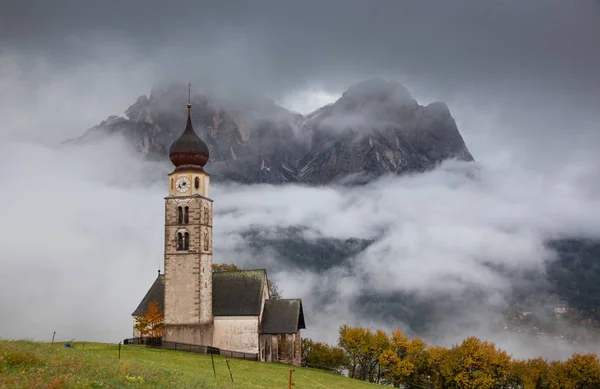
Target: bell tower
<point>188,314</point>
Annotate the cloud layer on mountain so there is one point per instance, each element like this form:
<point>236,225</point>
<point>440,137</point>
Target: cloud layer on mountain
<point>439,235</point>
<point>82,240</point>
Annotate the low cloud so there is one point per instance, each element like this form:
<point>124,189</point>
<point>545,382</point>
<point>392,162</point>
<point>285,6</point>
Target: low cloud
<point>77,239</point>
<point>438,235</point>
<point>45,103</point>
<point>82,239</point>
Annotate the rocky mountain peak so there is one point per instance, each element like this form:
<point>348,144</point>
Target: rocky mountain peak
<point>375,127</point>
<point>376,90</point>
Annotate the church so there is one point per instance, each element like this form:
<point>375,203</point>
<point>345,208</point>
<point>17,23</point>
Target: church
<point>230,310</point>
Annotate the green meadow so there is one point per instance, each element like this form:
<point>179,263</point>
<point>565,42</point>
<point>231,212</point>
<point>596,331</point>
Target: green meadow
<point>26,364</point>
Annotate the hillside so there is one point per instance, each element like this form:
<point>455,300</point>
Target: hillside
<point>375,127</point>
<point>25,364</point>
<point>570,278</point>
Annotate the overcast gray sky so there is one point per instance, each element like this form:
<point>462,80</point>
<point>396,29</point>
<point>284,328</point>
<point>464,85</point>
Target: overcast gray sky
<point>549,44</point>
<point>520,76</point>
<point>530,68</point>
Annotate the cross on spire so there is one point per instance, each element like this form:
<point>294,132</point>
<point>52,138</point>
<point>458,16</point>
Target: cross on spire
<point>189,104</point>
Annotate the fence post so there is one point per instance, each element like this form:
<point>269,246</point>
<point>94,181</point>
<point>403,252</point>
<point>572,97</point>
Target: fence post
<point>53,337</point>
<point>119,350</point>
<point>227,361</point>
<point>212,358</point>
<point>290,384</point>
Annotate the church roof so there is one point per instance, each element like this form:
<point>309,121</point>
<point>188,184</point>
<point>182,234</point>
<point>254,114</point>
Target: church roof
<point>156,293</point>
<point>282,316</point>
<point>238,293</point>
<point>235,293</point>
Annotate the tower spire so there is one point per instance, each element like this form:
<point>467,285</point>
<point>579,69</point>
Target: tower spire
<point>189,150</point>
<point>189,104</point>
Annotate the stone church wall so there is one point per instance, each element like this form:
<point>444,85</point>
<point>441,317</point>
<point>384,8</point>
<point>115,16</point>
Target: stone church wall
<point>236,333</point>
<point>191,334</point>
<point>136,332</point>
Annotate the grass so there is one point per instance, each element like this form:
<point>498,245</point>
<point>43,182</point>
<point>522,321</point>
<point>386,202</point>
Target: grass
<point>26,364</point>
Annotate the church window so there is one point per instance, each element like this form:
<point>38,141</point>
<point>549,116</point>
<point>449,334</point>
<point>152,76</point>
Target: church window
<point>186,241</point>
<point>205,215</point>
<point>205,240</point>
<point>179,241</point>
<point>179,215</point>
<point>197,183</point>
<point>186,215</point>
<point>171,184</point>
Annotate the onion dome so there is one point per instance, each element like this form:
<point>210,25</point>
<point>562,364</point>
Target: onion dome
<point>189,151</point>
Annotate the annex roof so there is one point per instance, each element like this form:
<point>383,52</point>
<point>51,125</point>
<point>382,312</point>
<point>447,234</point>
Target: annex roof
<point>283,316</point>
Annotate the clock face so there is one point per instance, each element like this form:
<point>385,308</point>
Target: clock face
<point>182,184</point>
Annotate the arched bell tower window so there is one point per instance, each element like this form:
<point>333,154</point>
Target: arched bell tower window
<point>197,183</point>
<point>186,215</point>
<point>179,215</point>
<point>171,184</point>
<point>179,241</point>
<point>183,241</point>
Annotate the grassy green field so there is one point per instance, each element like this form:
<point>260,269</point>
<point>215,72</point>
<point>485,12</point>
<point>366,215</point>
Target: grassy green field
<point>25,364</point>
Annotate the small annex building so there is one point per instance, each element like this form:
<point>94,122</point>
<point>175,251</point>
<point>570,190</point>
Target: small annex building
<point>230,310</point>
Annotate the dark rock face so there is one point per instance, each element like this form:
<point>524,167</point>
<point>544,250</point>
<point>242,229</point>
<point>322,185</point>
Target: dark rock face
<point>376,127</point>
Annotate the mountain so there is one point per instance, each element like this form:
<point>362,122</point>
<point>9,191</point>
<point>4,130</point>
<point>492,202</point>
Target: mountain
<point>575,273</point>
<point>375,127</point>
<point>570,278</point>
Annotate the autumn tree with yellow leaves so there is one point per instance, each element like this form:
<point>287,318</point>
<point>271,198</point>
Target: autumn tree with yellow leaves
<point>320,355</point>
<point>150,323</point>
<point>218,267</point>
<point>532,373</point>
<point>362,348</point>
<point>410,363</point>
<point>406,362</point>
<point>476,364</point>
<point>581,371</point>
